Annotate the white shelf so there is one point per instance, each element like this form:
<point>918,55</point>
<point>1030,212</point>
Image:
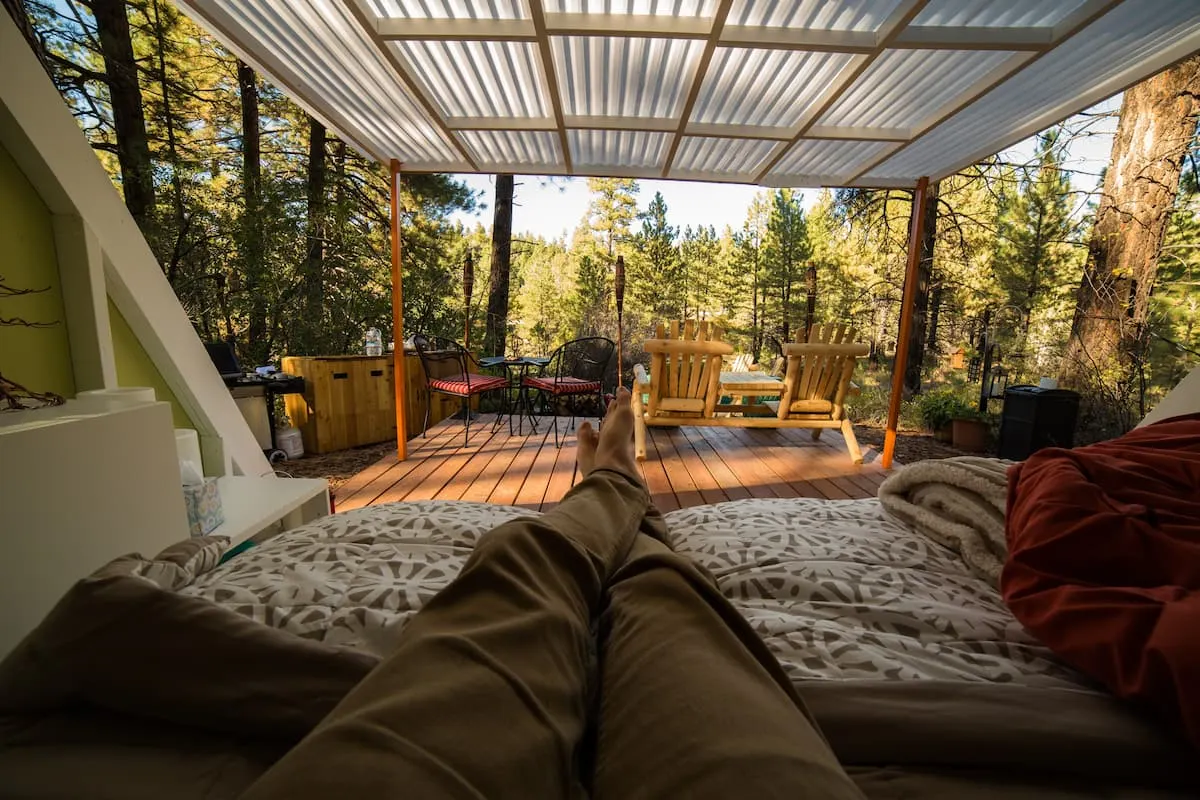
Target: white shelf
<point>251,505</point>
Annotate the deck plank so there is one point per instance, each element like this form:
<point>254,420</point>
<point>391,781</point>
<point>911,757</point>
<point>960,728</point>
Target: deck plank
<point>442,483</point>
<point>757,477</point>
<point>686,466</point>
<point>662,493</point>
<point>428,463</point>
<point>565,467</point>
<point>693,470</point>
<point>792,468</point>
<point>533,489</point>
<point>509,487</point>
<point>373,491</point>
<point>724,477</point>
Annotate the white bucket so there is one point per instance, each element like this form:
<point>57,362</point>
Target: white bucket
<point>289,441</point>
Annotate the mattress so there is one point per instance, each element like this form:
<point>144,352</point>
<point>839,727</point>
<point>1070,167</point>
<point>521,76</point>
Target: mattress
<point>837,589</point>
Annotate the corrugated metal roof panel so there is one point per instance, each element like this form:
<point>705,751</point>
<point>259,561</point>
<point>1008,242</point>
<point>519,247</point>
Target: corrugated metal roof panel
<point>992,14</point>
<point>737,158</point>
<point>903,88</point>
<point>769,88</point>
<point>656,8</point>
<point>328,51</point>
<point>530,149</point>
<point>627,149</point>
<point>1102,57</point>
<point>827,160</point>
<point>610,76</point>
<point>479,79</point>
<point>448,9</point>
<point>860,15</point>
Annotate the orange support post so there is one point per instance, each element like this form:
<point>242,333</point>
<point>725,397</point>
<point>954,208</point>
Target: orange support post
<point>915,224</point>
<point>398,371</point>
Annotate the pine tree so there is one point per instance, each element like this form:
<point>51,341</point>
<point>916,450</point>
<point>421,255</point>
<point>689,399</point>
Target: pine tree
<point>1033,232</point>
<point>655,278</point>
<point>787,251</point>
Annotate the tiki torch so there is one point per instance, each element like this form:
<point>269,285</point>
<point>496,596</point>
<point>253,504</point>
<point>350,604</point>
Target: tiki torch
<point>619,287</point>
<point>468,287</point>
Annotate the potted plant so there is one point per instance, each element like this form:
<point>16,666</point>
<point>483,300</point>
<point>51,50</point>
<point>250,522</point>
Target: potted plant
<point>937,411</point>
<point>970,429</point>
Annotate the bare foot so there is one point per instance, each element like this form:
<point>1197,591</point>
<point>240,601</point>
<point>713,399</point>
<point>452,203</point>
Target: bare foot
<point>613,446</point>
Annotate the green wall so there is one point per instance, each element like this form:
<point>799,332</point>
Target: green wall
<point>134,367</point>
<point>37,358</point>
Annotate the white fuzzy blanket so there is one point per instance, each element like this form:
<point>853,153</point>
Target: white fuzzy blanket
<point>957,502</point>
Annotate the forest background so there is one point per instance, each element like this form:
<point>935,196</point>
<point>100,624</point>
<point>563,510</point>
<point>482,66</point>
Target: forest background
<point>275,234</point>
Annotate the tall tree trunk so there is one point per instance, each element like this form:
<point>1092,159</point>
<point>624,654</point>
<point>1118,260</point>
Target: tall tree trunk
<point>935,312</point>
<point>257,345</point>
<point>916,339</point>
<point>125,96</point>
<point>177,205</point>
<point>754,321</point>
<point>1158,122</point>
<point>314,259</point>
<point>16,9</point>
<point>496,330</point>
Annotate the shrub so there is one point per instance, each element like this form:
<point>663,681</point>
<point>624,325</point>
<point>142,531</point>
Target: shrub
<point>937,409</point>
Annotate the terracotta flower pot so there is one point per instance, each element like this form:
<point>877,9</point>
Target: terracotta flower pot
<point>970,435</point>
<point>944,433</point>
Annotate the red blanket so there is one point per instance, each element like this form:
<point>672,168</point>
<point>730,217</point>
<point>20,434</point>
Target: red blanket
<point>1104,562</point>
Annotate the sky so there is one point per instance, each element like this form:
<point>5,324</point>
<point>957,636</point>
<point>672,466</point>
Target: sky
<point>552,207</point>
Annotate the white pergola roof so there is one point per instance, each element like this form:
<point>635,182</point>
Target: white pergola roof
<point>804,93</point>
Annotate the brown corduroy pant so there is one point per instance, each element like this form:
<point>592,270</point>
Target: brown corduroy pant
<point>574,655</point>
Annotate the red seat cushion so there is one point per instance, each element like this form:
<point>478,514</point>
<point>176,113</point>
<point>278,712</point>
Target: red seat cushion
<point>457,384</point>
<point>565,385</point>
<point>1104,562</point>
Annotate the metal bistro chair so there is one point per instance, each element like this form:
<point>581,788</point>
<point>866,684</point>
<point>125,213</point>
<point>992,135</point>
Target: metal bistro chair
<point>460,383</point>
<point>577,368</point>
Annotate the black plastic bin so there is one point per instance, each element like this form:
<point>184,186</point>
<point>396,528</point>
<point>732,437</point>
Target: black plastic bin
<point>1034,418</point>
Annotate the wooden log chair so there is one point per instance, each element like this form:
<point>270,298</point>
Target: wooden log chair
<point>578,368</point>
<point>462,383</point>
<point>818,380</point>
<point>683,386</point>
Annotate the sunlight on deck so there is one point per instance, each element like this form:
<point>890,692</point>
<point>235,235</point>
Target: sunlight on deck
<point>687,466</point>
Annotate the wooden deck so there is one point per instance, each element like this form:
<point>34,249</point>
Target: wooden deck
<point>687,466</point>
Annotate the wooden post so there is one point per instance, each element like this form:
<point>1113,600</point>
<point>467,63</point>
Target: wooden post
<point>619,287</point>
<point>398,371</point>
<point>916,223</point>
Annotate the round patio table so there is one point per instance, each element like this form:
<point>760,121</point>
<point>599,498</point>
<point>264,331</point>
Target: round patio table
<point>517,398</point>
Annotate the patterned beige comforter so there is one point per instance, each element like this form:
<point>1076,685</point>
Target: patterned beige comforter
<point>838,589</point>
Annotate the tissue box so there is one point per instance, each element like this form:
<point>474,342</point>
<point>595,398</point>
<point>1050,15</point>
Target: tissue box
<point>203,503</point>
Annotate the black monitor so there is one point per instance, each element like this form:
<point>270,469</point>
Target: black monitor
<point>224,359</point>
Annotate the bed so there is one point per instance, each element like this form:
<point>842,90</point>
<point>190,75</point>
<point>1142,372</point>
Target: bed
<point>920,676</point>
<point>923,681</point>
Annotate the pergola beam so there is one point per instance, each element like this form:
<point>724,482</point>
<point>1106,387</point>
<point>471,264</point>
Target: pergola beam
<point>916,223</point>
<point>887,34</point>
<point>417,90</point>
<point>718,24</point>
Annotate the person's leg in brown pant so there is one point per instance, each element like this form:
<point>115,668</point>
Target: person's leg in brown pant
<point>488,691</point>
<point>692,704</point>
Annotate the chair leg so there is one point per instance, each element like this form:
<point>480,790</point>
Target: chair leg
<point>851,441</point>
<point>428,405</point>
<point>466,405</point>
<point>557,444</point>
<point>816,433</point>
